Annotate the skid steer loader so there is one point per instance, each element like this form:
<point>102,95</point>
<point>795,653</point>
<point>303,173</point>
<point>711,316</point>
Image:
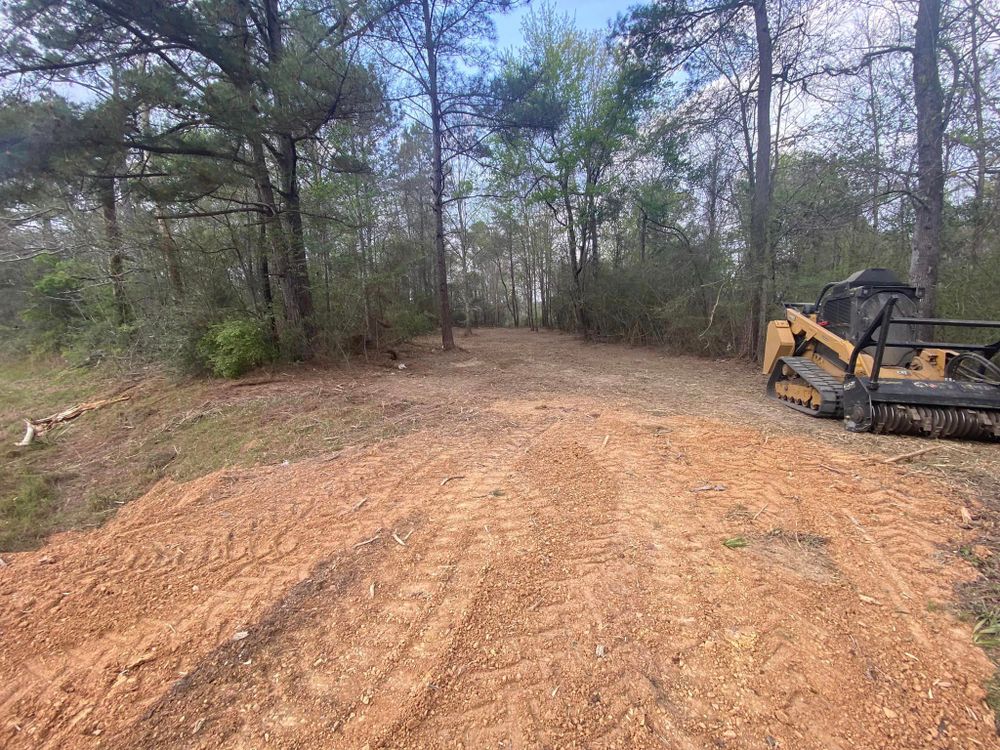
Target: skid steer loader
<point>856,354</point>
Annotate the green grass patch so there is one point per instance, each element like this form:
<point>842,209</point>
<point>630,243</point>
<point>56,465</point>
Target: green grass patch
<point>38,387</point>
<point>79,476</point>
<point>27,514</point>
<point>986,632</point>
<point>993,697</point>
<point>260,432</point>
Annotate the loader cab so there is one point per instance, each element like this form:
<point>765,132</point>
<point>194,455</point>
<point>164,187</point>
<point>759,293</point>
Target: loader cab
<point>848,307</point>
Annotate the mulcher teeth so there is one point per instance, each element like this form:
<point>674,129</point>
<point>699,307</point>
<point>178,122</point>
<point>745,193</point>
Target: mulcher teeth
<point>936,422</point>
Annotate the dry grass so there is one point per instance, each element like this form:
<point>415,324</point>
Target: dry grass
<point>82,472</point>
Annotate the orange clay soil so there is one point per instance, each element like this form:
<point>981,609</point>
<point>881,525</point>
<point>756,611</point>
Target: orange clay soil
<point>567,586</point>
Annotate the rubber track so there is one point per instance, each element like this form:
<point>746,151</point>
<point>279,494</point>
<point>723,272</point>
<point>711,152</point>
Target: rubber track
<point>830,388</point>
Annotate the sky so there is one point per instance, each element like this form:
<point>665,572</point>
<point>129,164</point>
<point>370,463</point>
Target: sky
<point>589,14</point>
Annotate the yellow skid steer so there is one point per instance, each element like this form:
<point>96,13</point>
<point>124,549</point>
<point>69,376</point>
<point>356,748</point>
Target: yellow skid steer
<point>857,354</point>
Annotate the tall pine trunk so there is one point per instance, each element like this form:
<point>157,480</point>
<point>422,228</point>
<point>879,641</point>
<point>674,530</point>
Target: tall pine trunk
<point>169,249</point>
<point>760,203</point>
<point>980,218</point>
<point>116,254</point>
<point>464,249</point>
<point>277,239</point>
<point>437,167</point>
<point>929,197</point>
<point>292,264</point>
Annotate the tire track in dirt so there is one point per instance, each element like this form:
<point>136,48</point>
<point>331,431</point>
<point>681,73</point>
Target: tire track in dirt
<point>200,596</point>
<point>777,635</point>
<point>352,665</point>
<point>540,616</point>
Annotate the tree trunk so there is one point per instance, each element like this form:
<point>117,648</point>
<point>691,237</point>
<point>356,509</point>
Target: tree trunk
<point>295,279</point>
<point>760,205</point>
<point>513,285</point>
<point>278,240</point>
<point>293,268</point>
<point>979,216</point>
<point>169,249</point>
<point>529,286</point>
<point>575,262</point>
<point>116,256</point>
<point>464,248</point>
<point>263,273</point>
<point>543,276</point>
<point>929,198</point>
<point>712,212</point>
<point>643,229</point>
<point>437,168</point>
<point>595,256</point>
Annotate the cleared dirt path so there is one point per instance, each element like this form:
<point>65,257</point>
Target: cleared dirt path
<point>537,562</point>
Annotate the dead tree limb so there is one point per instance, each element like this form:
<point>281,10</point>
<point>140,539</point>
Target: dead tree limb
<point>912,454</point>
<point>37,427</point>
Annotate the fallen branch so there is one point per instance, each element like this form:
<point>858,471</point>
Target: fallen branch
<point>911,454</point>
<point>357,505</point>
<point>38,427</point>
<point>448,479</point>
<point>830,468</point>
<point>367,541</point>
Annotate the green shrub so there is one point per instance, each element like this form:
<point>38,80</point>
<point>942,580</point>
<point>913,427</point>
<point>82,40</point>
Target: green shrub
<point>409,322</point>
<point>232,348</point>
<point>55,301</point>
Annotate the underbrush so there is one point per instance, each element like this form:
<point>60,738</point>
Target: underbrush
<point>235,347</point>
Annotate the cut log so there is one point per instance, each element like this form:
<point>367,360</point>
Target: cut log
<point>34,428</point>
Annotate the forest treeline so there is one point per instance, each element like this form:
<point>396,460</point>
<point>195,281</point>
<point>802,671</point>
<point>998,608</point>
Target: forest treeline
<point>222,182</point>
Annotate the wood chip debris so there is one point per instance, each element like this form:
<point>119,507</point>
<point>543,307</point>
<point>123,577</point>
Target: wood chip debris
<point>141,659</point>
<point>356,506</point>
<point>402,541</point>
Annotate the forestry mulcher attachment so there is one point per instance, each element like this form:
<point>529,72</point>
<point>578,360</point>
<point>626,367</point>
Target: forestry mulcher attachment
<point>856,354</point>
